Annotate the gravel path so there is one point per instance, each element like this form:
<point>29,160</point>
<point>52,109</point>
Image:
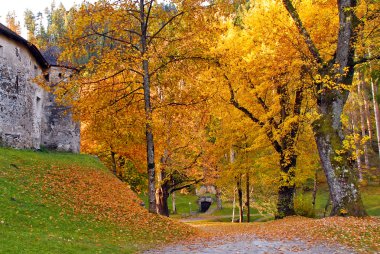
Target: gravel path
<point>249,244</point>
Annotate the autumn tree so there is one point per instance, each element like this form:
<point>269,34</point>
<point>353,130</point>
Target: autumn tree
<point>134,43</point>
<point>333,79</point>
<point>254,65</point>
<point>12,22</point>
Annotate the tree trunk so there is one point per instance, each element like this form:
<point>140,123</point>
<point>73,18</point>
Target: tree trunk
<point>113,161</point>
<point>148,112</point>
<point>315,188</point>
<point>219,204</point>
<point>233,206</point>
<point>285,203</point>
<point>357,151</point>
<point>162,195</point>
<point>173,203</point>
<point>340,174</point>
<point>376,112</point>
<point>247,197</point>
<point>327,205</point>
<point>367,117</point>
<point>362,120</point>
<point>240,197</point>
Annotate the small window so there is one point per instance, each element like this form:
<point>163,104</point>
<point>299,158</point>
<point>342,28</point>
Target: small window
<point>59,75</point>
<point>18,55</point>
<point>1,51</point>
<point>46,76</point>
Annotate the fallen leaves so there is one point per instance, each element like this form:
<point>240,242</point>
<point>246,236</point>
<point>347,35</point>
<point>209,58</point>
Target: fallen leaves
<point>101,195</point>
<point>362,234</point>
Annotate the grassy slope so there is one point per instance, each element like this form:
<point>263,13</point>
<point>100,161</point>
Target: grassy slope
<point>65,203</point>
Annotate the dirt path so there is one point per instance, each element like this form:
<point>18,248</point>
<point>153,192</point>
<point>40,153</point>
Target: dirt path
<point>234,238</point>
<point>245,244</point>
<point>210,218</point>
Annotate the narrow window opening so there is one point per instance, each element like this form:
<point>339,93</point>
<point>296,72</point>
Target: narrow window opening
<point>16,84</point>
<point>60,75</point>
<point>1,51</point>
<point>46,76</point>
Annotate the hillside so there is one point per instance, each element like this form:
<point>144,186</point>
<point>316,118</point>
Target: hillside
<point>66,203</point>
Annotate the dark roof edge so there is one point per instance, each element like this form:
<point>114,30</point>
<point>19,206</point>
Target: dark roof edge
<point>32,48</point>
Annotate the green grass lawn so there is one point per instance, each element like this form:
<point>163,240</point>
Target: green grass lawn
<point>28,225</point>
<point>31,222</point>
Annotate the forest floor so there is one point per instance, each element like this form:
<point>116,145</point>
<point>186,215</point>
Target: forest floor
<point>290,235</point>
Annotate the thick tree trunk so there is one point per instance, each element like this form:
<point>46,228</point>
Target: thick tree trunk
<point>162,194</point>
<point>240,197</point>
<point>247,197</point>
<point>340,174</point>
<point>285,203</point>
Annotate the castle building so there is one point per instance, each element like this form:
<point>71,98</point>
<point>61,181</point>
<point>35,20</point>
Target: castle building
<point>29,116</point>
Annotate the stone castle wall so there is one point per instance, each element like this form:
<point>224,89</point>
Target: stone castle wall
<point>60,132</point>
<point>29,116</point>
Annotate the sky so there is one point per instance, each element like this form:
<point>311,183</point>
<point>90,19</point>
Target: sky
<point>19,6</point>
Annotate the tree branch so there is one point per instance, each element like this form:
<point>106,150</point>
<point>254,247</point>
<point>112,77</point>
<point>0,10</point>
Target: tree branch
<point>268,132</point>
<point>309,42</point>
<point>164,25</point>
<point>366,60</point>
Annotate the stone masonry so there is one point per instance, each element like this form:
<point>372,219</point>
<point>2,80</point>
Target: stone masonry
<point>29,116</point>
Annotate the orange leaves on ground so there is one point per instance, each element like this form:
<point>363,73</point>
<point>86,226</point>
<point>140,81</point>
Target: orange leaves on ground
<point>363,234</point>
<point>103,196</point>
